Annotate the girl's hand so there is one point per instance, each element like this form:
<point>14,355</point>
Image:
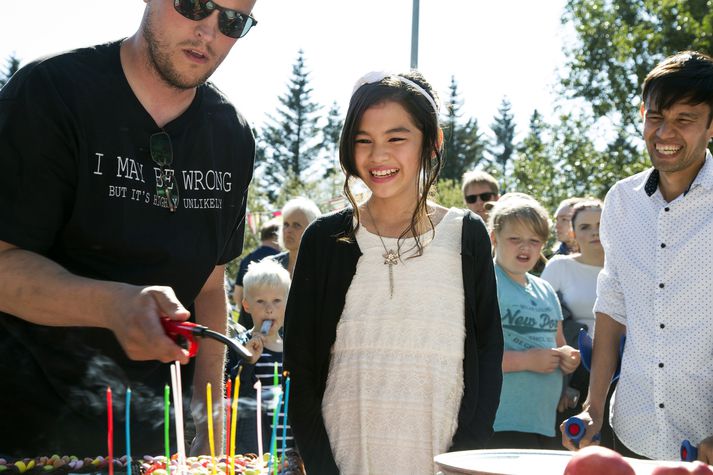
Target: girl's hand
<point>544,360</point>
<point>255,345</point>
<point>569,359</point>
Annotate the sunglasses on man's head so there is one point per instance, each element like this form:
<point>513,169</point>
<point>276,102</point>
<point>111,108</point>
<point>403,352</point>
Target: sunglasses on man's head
<point>470,199</point>
<point>162,154</point>
<point>231,23</point>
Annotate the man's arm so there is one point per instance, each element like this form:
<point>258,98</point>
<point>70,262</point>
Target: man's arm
<point>211,307</point>
<point>237,295</point>
<point>39,290</point>
<point>605,357</point>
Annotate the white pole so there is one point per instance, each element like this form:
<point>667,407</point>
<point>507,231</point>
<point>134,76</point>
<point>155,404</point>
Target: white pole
<point>414,35</point>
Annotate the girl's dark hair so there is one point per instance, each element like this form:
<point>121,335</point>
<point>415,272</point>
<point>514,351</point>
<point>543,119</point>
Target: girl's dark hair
<point>391,88</point>
<point>686,76</point>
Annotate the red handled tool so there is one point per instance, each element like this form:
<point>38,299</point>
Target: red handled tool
<point>185,332</point>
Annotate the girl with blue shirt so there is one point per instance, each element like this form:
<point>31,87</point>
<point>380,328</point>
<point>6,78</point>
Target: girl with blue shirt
<point>536,354</point>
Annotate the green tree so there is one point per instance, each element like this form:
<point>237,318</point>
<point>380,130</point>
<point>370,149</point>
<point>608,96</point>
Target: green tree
<point>620,41</point>
<point>464,144</point>
<point>579,163</point>
<point>585,170</point>
<point>448,193</point>
<point>11,67</point>
<point>291,138</point>
<point>534,167</point>
<point>504,129</point>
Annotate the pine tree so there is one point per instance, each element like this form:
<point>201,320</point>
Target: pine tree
<point>12,65</point>
<point>464,143</point>
<point>534,168</point>
<point>292,137</point>
<point>331,131</point>
<point>504,129</point>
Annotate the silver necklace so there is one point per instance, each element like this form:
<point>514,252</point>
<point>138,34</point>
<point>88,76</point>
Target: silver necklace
<point>391,258</point>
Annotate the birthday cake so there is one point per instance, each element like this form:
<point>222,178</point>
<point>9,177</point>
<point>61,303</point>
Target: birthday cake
<point>248,464</point>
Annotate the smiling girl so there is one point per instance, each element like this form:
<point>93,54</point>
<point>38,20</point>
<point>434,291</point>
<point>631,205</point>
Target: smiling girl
<point>393,337</point>
<point>536,354</point>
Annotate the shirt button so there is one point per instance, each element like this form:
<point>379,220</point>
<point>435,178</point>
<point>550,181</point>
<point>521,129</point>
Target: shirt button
<point>663,245</point>
<point>666,208</point>
<point>661,405</point>
<point>661,285</point>
<point>662,325</point>
<point>660,365</point>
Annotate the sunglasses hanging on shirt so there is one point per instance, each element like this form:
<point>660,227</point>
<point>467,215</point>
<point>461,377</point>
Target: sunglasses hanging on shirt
<point>231,22</point>
<point>162,154</point>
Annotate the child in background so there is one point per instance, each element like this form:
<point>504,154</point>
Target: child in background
<point>393,337</point>
<point>265,288</point>
<point>536,353</point>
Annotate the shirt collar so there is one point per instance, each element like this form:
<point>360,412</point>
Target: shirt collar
<point>704,177</point>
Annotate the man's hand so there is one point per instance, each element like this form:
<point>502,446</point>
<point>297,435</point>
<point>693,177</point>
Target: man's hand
<point>543,360</point>
<point>135,320</point>
<point>705,451</point>
<point>593,425</point>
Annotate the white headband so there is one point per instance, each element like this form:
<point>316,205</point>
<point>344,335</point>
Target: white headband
<point>376,76</point>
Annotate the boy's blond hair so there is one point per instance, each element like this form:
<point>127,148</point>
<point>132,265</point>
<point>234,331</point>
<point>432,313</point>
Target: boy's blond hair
<point>265,273</point>
<point>523,209</point>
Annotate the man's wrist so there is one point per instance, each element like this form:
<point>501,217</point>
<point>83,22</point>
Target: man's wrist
<point>595,410</point>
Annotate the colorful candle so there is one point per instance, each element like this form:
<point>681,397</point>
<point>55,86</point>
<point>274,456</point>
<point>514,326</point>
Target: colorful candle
<point>209,407</point>
<point>273,438</point>
<point>128,431</point>
<point>234,421</point>
<point>228,387</point>
<point>178,405</point>
<point>286,375</point>
<point>166,427</point>
<point>275,378</point>
<point>110,432</point>
<point>258,388</point>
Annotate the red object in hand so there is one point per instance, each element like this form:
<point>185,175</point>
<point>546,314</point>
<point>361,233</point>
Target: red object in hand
<point>684,468</point>
<point>181,332</point>
<point>595,460</point>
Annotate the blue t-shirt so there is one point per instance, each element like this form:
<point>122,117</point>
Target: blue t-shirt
<point>529,314</point>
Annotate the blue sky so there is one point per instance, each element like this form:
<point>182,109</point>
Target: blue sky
<point>493,48</point>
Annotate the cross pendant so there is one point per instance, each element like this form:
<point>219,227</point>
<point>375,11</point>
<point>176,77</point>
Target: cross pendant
<point>391,259</point>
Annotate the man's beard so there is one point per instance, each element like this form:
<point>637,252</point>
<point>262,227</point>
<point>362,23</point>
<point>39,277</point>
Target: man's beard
<point>160,62</point>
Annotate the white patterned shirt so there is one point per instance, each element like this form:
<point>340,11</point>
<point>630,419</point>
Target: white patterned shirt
<point>658,281</point>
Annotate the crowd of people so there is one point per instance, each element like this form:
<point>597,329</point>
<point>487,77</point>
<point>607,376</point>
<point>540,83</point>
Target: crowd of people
<point>408,329</point>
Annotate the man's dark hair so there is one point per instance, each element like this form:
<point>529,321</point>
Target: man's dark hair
<point>269,232</point>
<point>686,76</point>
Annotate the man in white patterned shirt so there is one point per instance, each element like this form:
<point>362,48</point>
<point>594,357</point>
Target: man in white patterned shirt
<point>657,232</point>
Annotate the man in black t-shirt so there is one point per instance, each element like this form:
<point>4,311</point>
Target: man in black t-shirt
<point>123,186</point>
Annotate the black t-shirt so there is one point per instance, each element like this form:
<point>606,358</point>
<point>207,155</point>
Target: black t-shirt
<point>78,185</point>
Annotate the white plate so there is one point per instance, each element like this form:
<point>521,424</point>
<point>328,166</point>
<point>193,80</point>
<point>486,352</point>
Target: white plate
<point>517,462</point>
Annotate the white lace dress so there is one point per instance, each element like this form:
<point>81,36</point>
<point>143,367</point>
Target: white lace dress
<point>395,380</point>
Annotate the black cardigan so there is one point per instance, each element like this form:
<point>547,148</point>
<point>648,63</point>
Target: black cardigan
<point>323,273</point>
